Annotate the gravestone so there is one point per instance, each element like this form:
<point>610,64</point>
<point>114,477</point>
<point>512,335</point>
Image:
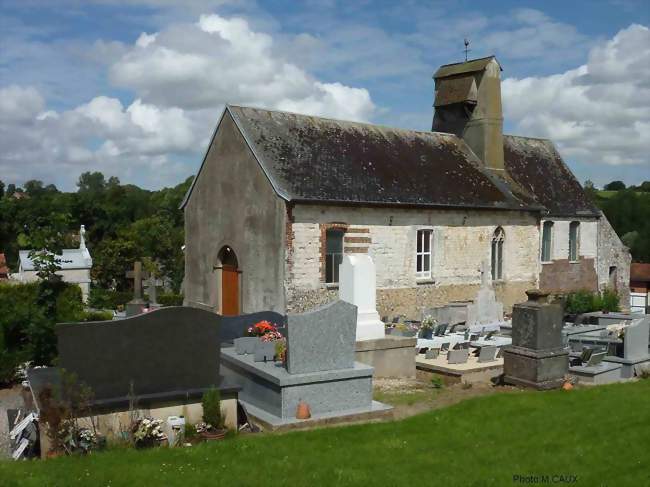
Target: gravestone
<point>169,351</point>
<point>357,285</point>
<point>137,305</point>
<point>485,308</point>
<point>152,290</point>
<point>537,357</point>
<point>322,339</point>
<point>635,348</point>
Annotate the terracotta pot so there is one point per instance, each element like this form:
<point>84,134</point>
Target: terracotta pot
<point>303,411</point>
<point>567,386</point>
<point>214,435</point>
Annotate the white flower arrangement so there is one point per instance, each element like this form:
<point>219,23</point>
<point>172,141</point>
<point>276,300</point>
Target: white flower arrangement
<point>429,322</point>
<point>148,431</point>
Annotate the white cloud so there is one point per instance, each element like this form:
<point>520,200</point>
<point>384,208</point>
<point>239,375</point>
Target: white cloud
<point>181,78</point>
<point>596,113</point>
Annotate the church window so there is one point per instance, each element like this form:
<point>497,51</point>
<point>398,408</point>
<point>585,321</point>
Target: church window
<point>497,253</point>
<point>547,240</point>
<point>574,240</point>
<point>423,254</point>
<point>333,254</point>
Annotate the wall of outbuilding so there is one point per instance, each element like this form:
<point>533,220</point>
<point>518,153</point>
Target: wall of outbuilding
<point>613,253</point>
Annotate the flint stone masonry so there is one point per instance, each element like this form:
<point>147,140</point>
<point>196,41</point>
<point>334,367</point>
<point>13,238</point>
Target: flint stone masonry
<point>322,339</point>
<point>537,357</point>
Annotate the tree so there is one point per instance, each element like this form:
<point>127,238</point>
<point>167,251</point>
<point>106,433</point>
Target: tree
<point>2,189</point>
<point>93,182</point>
<point>644,186</point>
<point>11,189</point>
<point>33,187</point>
<point>614,186</point>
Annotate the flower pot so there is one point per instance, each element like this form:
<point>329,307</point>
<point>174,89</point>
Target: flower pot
<point>245,345</point>
<point>303,411</point>
<point>567,386</point>
<point>213,435</point>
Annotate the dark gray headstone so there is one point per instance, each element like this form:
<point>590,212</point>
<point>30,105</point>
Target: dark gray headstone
<point>322,339</point>
<point>170,349</point>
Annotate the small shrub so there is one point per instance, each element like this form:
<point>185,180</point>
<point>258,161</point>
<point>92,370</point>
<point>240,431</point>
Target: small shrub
<point>108,299</point>
<point>580,302</point>
<point>170,299</point>
<point>98,316</point>
<point>69,304</point>
<point>211,403</point>
<point>437,382</point>
<point>609,301</point>
<point>9,363</point>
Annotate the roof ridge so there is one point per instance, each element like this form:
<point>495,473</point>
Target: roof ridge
<point>331,119</point>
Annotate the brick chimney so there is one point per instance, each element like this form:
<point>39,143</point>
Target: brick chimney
<point>468,104</point>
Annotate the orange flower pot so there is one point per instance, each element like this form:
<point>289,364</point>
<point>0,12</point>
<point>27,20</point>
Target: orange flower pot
<point>567,386</point>
<point>303,411</point>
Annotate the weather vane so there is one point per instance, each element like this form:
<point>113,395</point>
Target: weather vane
<point>467,49</point>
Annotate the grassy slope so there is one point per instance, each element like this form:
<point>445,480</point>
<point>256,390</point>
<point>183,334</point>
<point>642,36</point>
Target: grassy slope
<point>601,434</point>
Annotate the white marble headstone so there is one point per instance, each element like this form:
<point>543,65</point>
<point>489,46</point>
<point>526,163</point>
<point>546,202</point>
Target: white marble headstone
<point>357,285</point>
<point>485,308</point>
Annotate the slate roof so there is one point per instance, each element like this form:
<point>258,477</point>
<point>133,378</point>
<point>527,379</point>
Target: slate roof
<point>70,259</point>
<point>320,160</point>
<point>537,167</point>
<point>471,66</point>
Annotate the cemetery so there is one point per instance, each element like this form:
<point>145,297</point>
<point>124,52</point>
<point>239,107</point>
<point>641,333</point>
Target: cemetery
<point>325,302</point>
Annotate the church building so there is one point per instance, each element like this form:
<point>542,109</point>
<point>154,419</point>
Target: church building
<point>281,197</point>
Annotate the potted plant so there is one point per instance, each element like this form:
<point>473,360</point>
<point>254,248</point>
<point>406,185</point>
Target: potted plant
<point>428,324</point>
<point>147,432</point>
<point>212,427</point>
<point>248,344</point>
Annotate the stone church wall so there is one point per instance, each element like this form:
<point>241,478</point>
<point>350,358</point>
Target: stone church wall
<point>612,253</point>
<point>461,242</point>
<point>233,204</point>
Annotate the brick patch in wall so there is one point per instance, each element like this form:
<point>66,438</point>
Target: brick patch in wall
<point>562,276</point>
<point>358,230</point>
<point>366,240</point>
<point>355,250</point>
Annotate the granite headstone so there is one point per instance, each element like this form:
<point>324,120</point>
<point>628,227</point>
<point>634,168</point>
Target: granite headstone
<point>322,339</point>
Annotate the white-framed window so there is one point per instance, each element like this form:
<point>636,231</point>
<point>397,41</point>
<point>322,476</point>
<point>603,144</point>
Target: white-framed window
<point>423,254</point>
<point>333,254</point>
<point>547,241</point>
<point>498,237</point>
<point>574,241</point>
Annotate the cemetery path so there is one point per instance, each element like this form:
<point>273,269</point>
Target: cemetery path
<point>414,396</point>
<point>9,399</point>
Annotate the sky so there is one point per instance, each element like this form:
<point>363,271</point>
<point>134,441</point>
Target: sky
<point>134,88</point>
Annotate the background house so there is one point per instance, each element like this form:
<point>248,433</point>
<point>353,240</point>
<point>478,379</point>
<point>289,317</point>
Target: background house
<point>76,265</point>
<point>639,288</point>
<point>280,197</point>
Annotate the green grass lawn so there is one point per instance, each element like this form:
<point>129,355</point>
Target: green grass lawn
<point>600,434</point>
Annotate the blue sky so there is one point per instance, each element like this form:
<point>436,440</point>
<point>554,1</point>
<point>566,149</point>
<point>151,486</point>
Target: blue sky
<point>82,88</point>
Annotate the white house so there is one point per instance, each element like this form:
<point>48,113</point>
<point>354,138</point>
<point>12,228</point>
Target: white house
<point>75,266</point>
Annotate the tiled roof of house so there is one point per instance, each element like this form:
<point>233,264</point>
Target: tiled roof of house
<point>640,272</point>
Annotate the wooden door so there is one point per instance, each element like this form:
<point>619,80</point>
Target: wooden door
<point>229,291</point>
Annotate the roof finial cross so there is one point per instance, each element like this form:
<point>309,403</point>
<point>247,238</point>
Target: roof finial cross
<point>467,49</point>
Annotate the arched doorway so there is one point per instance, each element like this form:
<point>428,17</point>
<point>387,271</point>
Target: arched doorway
<point>229,281</point>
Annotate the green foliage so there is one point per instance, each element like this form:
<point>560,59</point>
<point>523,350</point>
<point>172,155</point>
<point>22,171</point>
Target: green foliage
<point>585,301</point>
<point>609,301</point>
<point>628,211</point>
<point>499,426</point>
<point>211,403</point>
<point>436,382</point>
<point>580,302</point>
<point>107,299</point>
<point>614,186</point>
<point>28,315</point>
<point>98,316</point>
<point>170,299</point>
